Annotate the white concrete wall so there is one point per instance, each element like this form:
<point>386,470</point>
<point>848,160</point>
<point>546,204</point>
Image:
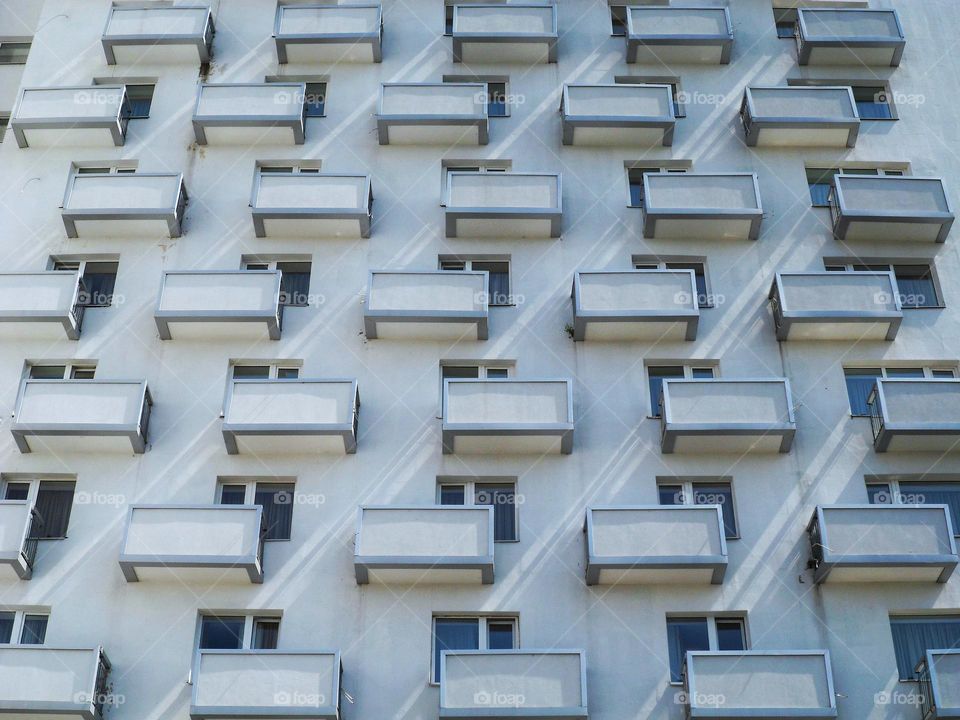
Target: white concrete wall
<point>385,636</point>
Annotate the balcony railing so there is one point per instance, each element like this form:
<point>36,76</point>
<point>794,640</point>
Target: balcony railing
<point>82,415</point>
<point>281,684</point>
<point>505,32</point>
<point>31,304</point>
<point>882,543</point>
<point>19,524</point>
<point>800,116</point>
<point>199,304</point>
<point>94,115</point>
<point>635,305</point>
<point>938,674</point>
<point>148,35</point>
<point>679,35</point>
<point>508,416</point>
<point>291,416</point>
<point>741,685</point>
<point>193,542</point>
<point>836,306</point>
<point>617,114</point>
<point>655,544</point>
<point>250,113</point>
<point>431,305</point>
<point>529,684</point>
<point>503,204</point>
<point>920,415</point>
<point>136,205</point>
<point>711,206</point>
<point>433,113</point>
<point>328,33</point>
<point>311,205</point>
<point>858,37</point>
<point>432,544</point>
<point>724,416</point>
<point>890,208</point>
<point>43,681</point>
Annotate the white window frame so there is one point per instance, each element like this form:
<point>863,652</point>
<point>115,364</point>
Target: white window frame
<point>107,167</point>
<point>250,492</point>
<point>660,262</point>
<point>897,494</point>
<point>848,266</point>
<point>712,619</point>
<point>468,260</point>
<point>273,366</point>
<point>70,366</point>
<point>33,490</point>
<point>674,81</point>
<point>469,484</point>
<point>482,367</point>
<point>688,367</point>
<point>513,618</point>
<point>248,622</point>
<point>16,633</point>
<point>16,41</point>
<point>928,369</point>
<point>671,166</point>
<point>853,82</point>
<point>688,489</point>
<point>297,167</point>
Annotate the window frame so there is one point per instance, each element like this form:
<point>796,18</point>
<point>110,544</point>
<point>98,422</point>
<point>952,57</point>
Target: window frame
<point>873,82</point>
<point>689,367</point>
<point>483,366</point>
<point>70,368</point>
<point>663,262</point>
<point>249,618</point>
<point>28,41</point>
<point>468,260</point>
<point>487,80</point>
<point>849,265</point>
<point>306,80</point>
<point>887,169</point>
<point>467,165</point>
<point>906,617</point>
<point>688,488</point>
<point>673,166</point>
<point>271,263</point>
<point>929,371</point>
<point>674,81</point>
<point>618,19</point>
<point>711,621</point>
<point>19,622</point>
<point>33,483</point>
<point>67,262</point>
<point>483,635</point>
<point>250,485</point>
<point>896,483</point>
<point>470,483</point>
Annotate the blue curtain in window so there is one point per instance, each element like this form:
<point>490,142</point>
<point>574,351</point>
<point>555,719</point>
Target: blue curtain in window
<point>276,499</point>
<point>54,502</point>
<point>914,636</point>
<point>916,291</point>
<point>859,388</point>
<point>502,497</point>
<point>221,632</point>
<point>34,630</point>
<point>874,111</point>
<point>454,634</point>
<point>684,635</point>
<point>6,627</point>
<point>935,494</point>
<point>820,194</point>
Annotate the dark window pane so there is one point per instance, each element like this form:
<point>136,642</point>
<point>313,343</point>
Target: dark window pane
<point>684,634</point>
<point>499,635</point>
<point>454,634</point>
<point>257,372</point>
<point>495,373</point>
<point>915,283</point>
<point>34,630</point>
<point>295,283</point>
<point>315,101</point>
<point>233,494</point>
<point>635,179</point>
<point>82,373</point>
<point>718,494</point>
<point>879,494</point>
<point>820,181</point>
<point>872,102</point>
<point>99,279</point>
<point>221,632</point>
<point>6,627</point>
<point>266,632</point>
<point>940,493</point>
<point>288,373</point>
<point>14,53</point>
<point>912,637</point>
<point>730,635</point>
<point>503,500</point>
<point>699,276</point>
<point>453,495</point>
<point>140,98</point>
<point>904,372</point>
<point>786,30</point>
<point>448,20</point>
<point>453,265</point>
<point>277,502</point>
<point>499,280</point>
<point>860,382</point>
<point>276,169</point>
<point>497,99</point>
<point>54,502</point>
<point>943,373</point>
<point>702,373</point>
<point>17,491</point>
<point>455,372</point>
<point>47,372</point>
<point>655,375</point>
<point>670,494</point>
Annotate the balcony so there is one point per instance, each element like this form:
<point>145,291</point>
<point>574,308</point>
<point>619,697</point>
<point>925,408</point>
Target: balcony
<point>282,684</point>
<point>71,116</point>
<point>882,543</point>
<point>433,114</point>
<point>328,33</point>
<point>202,304</point>
<point>836,306</point>
<point>18,550</point>
<point>655,544</point>
<point>617,114</point>
<point>250,113</point>
<point>726,416</point>
<point>135,205</point>
<point>507,416</point>
<point>800,116</point>
<point>707,206</point>
<point>190,543</point>
<point>82,416</point>
<point>312,205</point>
<point>45,682</point>
<point>291,416</point>
<point>939,686</point>
<point>529,684</point>
<point>745,685</point>
<point>427,305</point>
<point>414,545</point>
<point>897,209</point>
<point>503,205</point>
<point>679,35</point>
<point>158,35</point>
<point>635,305</point>
<point>42,305</point>
<point>858,37</point>
<point>916,415</point>
<point>505,33</point>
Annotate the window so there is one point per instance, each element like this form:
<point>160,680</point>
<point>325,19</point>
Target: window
<point>498,270</point>
<point>656,374</point>
<point>702,633</point>
<point>4,123</point>
<point>66,371</point>
<point>29,627</point>
<point>618,20</point>
<point>140,98</point>
<point>708,491</point>
<point>284,169</point>
<point>316,98</point>
<point>236,632</point>
<point>895,491</point>
<point>913,636</point>
<point>276,499</point>
<point>860,382</point>
<point>465,369</point>
<point>294,281</point>
<point>34,630</point>
<point>471,633</point>
<point>53,501</point>
<point>104,169</point>
<point>498,98</point>
<point>820,180</point>
<point>264,371</point>
<point>448,19</point>
<point>501,494</point>
<point>679,109</point>
<point>481,166</point>
<point>873,102</point>
<point>635,181</point>
<point>704,296</point>
<point>916,283</point>
<point>14,53</point>
<point>99,280</point>
<point>786,23</point>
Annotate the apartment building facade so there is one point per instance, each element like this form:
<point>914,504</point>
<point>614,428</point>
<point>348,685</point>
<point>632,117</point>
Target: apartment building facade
<point>479,359</point>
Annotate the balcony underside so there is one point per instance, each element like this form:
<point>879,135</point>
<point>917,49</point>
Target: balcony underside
<point>847,51</point>
<point>311,223</point>
<point>620,131</point>
<point>173,326</point>
<point>117,223</point>
<point>67,134</point>
<point>155,51</point>
<point>426,131</point>
<point>433,571</point>
<point>837,328</point>
<point>197,570</point>
<point>907,439</point>
<point>656,571</point>
<point>339,48</point>
<point>384,326</point>
<point>27,328</point>
<point>477,440</point>
<point>271,441</point>
<point>905,569</point>
<point>722,440</point>
<point>674,50</point>
<point>676,225</point>
<point>67,440</point>
<point>892,229</point>
<point>498,49</point>
<point>521,223</point>
<point>249,132</point>
<point>770,133</point>
<point>13,566</point>
<point>597,328</point>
